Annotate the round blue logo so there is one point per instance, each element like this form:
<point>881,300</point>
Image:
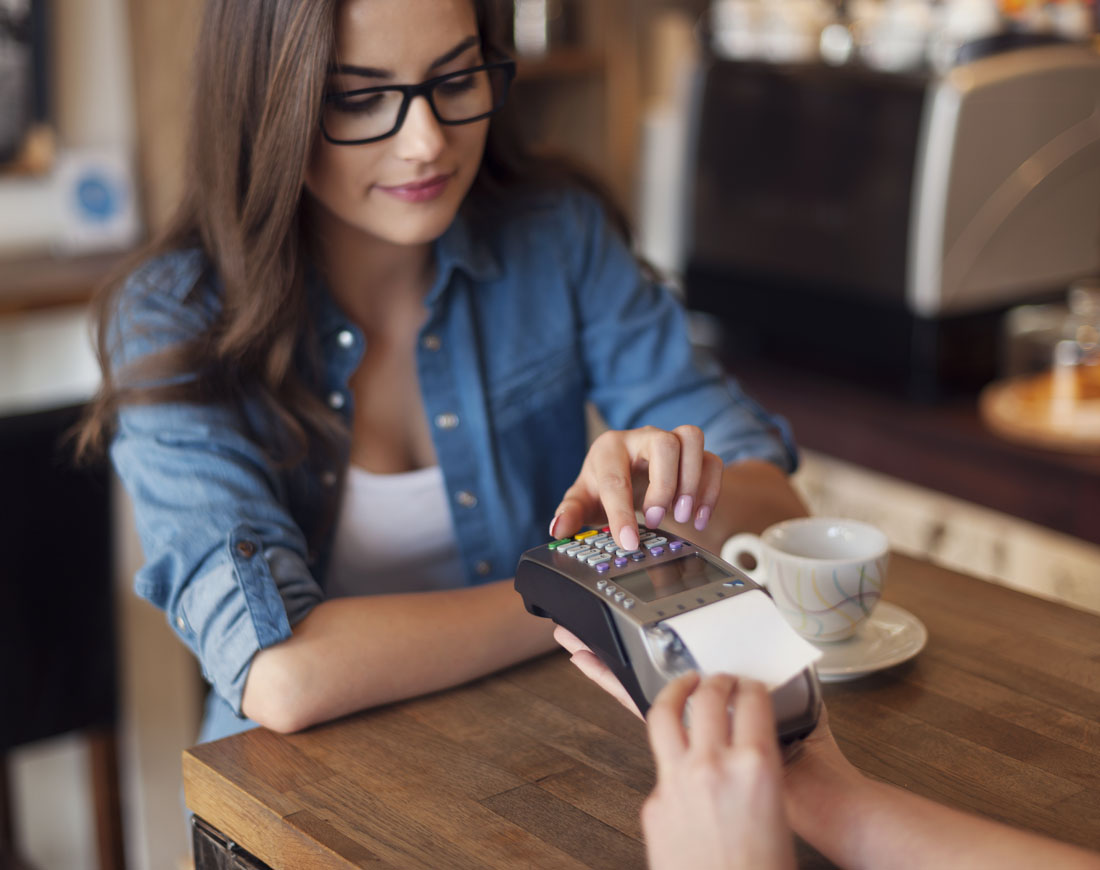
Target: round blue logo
<point>97,197</point>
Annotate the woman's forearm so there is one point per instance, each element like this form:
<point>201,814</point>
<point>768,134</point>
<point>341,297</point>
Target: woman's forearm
<point>860,823</point>
<point>352,653</point>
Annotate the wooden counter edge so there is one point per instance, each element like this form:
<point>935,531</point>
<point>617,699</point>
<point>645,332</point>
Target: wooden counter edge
<point>245,820</point>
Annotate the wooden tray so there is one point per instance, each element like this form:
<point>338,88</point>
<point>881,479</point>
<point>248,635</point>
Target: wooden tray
<point>1057,411</point>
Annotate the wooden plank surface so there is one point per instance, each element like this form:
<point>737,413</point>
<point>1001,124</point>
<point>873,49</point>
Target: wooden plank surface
<point>537,767</point>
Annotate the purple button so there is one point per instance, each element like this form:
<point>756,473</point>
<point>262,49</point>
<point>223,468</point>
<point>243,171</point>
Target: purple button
<point>620,561</point>
<point>656,551</point>
<point>675,545</point>
<point>603,566</point>
<point>637,556</point>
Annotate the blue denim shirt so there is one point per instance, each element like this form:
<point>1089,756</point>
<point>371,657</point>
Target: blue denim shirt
<point>525,325</point>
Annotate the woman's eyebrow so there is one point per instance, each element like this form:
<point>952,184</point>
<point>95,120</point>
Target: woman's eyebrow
<point>467,43</point>
<point>375,73</point>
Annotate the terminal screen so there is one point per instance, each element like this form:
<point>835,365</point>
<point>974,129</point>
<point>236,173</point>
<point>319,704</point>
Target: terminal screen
<point>668,578</point>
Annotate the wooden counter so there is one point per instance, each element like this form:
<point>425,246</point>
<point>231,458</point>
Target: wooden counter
<point>943,447</point>
<point>49,282</point>
<point>536,767</point>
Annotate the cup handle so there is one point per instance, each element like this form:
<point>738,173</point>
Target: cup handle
<point>746,543</point>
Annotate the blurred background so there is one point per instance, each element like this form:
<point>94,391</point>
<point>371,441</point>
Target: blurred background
<point>884,216</point>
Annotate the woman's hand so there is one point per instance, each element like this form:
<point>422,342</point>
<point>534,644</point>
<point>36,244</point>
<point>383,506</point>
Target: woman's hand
<point>650,469</point>
<point>718,801</point>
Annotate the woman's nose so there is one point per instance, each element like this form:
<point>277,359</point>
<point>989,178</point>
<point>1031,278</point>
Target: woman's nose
<point>421,137</point>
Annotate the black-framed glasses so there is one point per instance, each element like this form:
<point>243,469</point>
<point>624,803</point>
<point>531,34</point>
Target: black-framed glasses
<point>370,114</point>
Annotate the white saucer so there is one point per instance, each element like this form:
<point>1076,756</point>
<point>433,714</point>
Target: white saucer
<point>889,636</point>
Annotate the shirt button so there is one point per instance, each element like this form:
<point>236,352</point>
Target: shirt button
<point>180,624</point>
<point>466,498</point>
<point>483,568</point>
<point>345,338</point>
<point>328,478</point>
<point>246,549</point>
<point>432,341</point>
<point>446,421</point>
<point>336,400</point>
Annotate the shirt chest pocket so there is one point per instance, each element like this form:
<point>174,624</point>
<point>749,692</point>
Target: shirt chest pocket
<point>537,386</point>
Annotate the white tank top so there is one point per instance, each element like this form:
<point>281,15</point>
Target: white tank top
<point>394,534</point>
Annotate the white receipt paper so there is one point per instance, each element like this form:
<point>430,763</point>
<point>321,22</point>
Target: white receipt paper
<point>744,635</point>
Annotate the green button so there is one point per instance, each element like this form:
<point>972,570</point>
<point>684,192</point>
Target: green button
<point>555,544</point>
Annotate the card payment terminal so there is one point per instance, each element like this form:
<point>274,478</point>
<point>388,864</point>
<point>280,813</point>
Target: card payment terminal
<point>620,603</point>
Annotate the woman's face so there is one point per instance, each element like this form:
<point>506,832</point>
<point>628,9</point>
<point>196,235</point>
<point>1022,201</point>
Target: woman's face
<point>405,189</point>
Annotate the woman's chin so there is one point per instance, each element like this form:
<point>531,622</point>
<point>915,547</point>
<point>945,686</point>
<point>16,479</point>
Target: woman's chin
<point>410,224</point>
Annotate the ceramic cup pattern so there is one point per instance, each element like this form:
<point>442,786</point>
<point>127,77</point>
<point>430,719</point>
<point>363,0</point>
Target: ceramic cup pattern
<point>825,574</point>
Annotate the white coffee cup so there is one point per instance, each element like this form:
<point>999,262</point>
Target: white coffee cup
<point>824,574</point>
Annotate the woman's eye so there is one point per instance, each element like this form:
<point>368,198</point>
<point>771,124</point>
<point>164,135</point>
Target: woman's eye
<point>457,86</point>
<point>362,105</point>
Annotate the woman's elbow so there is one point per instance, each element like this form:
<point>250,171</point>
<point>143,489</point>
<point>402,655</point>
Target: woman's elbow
<point>277,694</point>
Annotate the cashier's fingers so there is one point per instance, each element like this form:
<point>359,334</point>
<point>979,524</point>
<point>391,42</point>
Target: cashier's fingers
<point>754,721</point>
<point>568,640</point>
<point>589,664</point>
<point>710,713</point>
<point>666,722</point>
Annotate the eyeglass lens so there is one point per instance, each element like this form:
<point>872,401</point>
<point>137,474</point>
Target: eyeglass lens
<point>457,99</point>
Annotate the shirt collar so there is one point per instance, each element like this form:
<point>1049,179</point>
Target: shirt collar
<point>463,248</point>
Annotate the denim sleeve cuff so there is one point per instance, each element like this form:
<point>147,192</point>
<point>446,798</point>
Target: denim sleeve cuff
<point>246,603</point>
<point>768,436</point>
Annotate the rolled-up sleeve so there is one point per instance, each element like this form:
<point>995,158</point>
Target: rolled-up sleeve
<point>641,366</point>
<point>223,557</point>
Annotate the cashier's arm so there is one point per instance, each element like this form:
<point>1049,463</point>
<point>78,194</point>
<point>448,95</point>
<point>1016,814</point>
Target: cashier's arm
<point>349,654</point>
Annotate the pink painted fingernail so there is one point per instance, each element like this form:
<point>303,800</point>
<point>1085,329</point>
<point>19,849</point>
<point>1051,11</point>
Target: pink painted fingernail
<point>553,524</point>
<point>628,538</point>
<point>702,518</point>
<point>682,511</point>
<point>654,515</point>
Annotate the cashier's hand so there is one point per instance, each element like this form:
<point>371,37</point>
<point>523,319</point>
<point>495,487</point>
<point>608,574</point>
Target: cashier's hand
<point>719,796</point>
<point>650,469</point>
<point>718,802</point>
<point>590,665</point>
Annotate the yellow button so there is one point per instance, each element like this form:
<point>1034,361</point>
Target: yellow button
<point>584,535</point>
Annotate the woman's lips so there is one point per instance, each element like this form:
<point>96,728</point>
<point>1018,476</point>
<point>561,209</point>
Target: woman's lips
<point>418,191</point>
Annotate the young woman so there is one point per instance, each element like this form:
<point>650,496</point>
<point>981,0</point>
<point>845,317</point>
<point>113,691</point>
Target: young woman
<point>347,389</point>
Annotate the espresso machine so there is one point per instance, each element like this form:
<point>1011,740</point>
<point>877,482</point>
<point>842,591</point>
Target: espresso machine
<point>878,225</point>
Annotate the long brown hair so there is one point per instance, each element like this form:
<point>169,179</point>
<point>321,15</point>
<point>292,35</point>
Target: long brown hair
<point>259,78</point>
